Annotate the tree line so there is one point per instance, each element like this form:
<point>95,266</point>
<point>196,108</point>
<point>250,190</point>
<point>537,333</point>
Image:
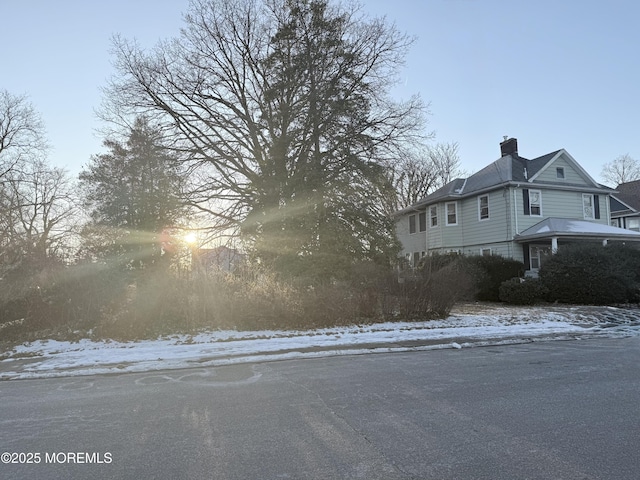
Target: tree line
<point>268,121</point>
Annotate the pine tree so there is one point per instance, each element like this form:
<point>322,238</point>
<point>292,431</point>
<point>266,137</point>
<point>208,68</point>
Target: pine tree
<point>133,196</point>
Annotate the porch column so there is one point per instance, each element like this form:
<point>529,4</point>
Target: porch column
<point>554,245</point>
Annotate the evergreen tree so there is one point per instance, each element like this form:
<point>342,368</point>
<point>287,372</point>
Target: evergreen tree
<point>317,202</point>
<point>133,196</point>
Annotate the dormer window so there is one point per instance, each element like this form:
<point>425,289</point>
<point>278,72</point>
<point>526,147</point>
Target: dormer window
<point>560,173</point>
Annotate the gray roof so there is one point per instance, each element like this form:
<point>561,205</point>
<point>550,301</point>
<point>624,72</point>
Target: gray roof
<point>568,227</point>
<point>629,193</point>
<point>505,170</point>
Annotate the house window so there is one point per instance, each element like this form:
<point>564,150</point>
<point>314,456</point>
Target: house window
<point>423,221</point>
<point>433,214</point>
<point>535,202</point>
<point>538,255</point>
<point>532,202</point>
<point>633,224</point>
<point>412,224</point>
<point>485,252</point>
<point>483,207</point>
<point>591,206</point>
<point>560,173</point>
<point>452,213</point>
<point>587,207</point>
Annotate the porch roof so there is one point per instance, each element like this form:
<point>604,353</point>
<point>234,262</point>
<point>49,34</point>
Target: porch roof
<point>575,229</point>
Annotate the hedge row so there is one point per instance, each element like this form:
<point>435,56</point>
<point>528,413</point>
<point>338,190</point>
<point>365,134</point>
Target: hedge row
<point>585,274</point>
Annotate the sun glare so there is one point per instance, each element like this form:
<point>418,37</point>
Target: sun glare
<point>190,237</point>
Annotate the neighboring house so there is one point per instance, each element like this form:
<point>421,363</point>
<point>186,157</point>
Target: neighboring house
<point>515,207</point>
<point>625,206</point>
<point>220,258</point>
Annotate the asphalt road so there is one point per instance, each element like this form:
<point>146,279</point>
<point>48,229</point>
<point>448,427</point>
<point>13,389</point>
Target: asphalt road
<point>556,410</point>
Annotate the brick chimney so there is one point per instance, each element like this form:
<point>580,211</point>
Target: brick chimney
<point>509,147</point>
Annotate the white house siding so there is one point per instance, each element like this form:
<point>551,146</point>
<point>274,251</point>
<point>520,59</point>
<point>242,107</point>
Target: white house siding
<point>571,175</point>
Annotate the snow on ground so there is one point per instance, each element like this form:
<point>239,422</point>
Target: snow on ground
<point>489,325</point>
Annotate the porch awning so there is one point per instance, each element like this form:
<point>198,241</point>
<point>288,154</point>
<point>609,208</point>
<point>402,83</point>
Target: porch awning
<point>575,229</point>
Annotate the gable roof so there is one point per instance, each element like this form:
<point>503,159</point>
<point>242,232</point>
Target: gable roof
<point>509,169</point>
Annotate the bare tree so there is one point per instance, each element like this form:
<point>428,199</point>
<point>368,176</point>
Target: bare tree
<point>622,169</point>
<point>22,134</point>
<point>37,214</point>
<point>423,171</point>
<point>282,109</point>
<point>31,193</point>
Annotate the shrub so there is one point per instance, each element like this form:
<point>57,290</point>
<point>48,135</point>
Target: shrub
<point>447,286</point>
<point>519,291</point>
<point>489,272</point>
<point>440,282</point>
<point>593,275</point>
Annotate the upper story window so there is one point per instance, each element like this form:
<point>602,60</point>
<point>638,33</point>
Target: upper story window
<point>433,215</point>
<point>412,224</point>
<point>483,207</point>
<point>452,213</point>
<point>422,221</point>
<point>587,207</point>
<point>590,206</point>
<point>535,202</point>
<point>560,173</point>
<point>532,200</point>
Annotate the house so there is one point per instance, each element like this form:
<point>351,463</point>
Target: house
<point>515,207</point>
<point>625,206</point>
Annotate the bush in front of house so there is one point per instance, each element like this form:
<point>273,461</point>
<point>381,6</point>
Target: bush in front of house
<point>518,291</point>
<point>592,275</point>
<point>490,272</point>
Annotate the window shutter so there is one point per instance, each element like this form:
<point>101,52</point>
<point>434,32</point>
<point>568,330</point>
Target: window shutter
<point>525,201</point>
<point>596,206</point>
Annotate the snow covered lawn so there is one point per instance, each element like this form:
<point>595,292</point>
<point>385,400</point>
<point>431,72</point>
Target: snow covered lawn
<point>468,325</point>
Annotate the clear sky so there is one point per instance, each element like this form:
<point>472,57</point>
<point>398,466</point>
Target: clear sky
<point>554,74</point>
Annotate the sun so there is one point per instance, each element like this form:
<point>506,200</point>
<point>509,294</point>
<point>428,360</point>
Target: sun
<point>190,238</point>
